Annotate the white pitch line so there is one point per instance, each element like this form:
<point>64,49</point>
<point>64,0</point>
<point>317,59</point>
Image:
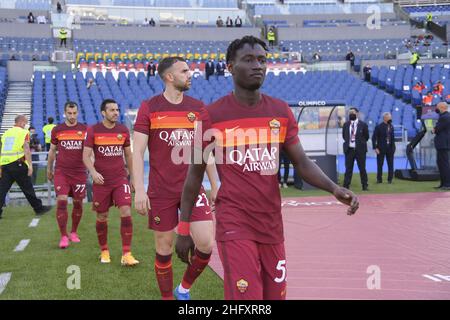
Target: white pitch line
<point>22,245</point>
<point>4,279</point>
<point>432,278</point>
<point>34,223</point>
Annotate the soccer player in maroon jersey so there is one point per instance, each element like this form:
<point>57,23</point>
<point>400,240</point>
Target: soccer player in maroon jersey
<point>108,142</point>
<point>70,174</point>
<point>165,124</point>
<point>248,129</point>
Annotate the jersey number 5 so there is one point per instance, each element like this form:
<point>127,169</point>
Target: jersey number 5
<point>282,267</point>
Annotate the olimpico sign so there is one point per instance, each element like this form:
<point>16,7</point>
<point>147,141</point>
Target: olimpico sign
<point>315,103</point>
<point>312,103</point>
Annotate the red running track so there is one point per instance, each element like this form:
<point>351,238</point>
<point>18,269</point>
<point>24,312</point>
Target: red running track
<point>404,238</point>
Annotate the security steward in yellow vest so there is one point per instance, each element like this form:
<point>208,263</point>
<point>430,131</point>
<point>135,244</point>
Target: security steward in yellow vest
<point>429,19</point>
<point>16,165</point>
<point>271,37</point>
<point>63,37</point>
<point>47,129</point>
<point>414,59</point>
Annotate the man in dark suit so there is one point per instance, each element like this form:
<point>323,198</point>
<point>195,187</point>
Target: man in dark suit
<point>151,70</point>
<point>367,71</point>
<point>384,145</point>
<point>442,144</point>
<point>238,22</point>
<point>221,68</point>
<point>356,134</point>
<point>209,69</point>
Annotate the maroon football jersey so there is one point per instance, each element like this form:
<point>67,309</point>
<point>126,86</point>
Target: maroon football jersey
<point>108,145</point>
<point>248,142</point>
<point>170,130</point>
<point>69,141</point>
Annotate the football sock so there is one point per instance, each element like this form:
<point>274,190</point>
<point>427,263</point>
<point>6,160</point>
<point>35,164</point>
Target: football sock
<point>164,275</point>
<point>77,213</point>
<point>62,216</point>
<point>198,263</point>
<point>102,234</point>
<point>126,231</point>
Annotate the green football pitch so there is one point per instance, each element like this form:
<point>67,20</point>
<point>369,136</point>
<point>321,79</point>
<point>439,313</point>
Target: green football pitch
<point>41,270</point>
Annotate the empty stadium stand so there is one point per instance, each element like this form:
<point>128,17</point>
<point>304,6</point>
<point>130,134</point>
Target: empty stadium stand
<point>26,48</point>
<point>423,10</point>
<point>160,3</point>
<point>52,90</point>
<point>3,89</point>
<point>400,81</point>
<point>389,90</point>
<point>33,4</point>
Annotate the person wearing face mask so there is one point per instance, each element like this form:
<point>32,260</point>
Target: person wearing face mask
<point>442,144</point>
<point>384,145</point>
<point>356,134</point>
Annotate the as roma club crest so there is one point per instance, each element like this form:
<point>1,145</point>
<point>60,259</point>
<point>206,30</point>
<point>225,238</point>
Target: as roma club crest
<point>275,125</point>
<point>242,285</point>
<point>191,116</point>
<point>157,220</point>
<point>119,136</point>
<point>79,133</point>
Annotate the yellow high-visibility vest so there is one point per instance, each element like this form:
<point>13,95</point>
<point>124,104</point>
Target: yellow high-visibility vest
<point>271,36</point>
<point>12,145</point>
<point>47,129</point>
<point>63,34</point>
<point>414,58</point>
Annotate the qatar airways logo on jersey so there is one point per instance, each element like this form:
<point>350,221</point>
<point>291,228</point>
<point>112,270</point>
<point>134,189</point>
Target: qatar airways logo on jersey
<point>110,151</point>
<point>177,138</point>
<point>254,150</point>
<point>72,144</point>
<point>256,159</point>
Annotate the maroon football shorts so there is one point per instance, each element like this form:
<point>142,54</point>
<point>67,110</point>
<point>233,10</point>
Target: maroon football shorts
<point>106,196</point>
<point>70,184</point>
<point>252,270</point>
<point>163,215</point>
